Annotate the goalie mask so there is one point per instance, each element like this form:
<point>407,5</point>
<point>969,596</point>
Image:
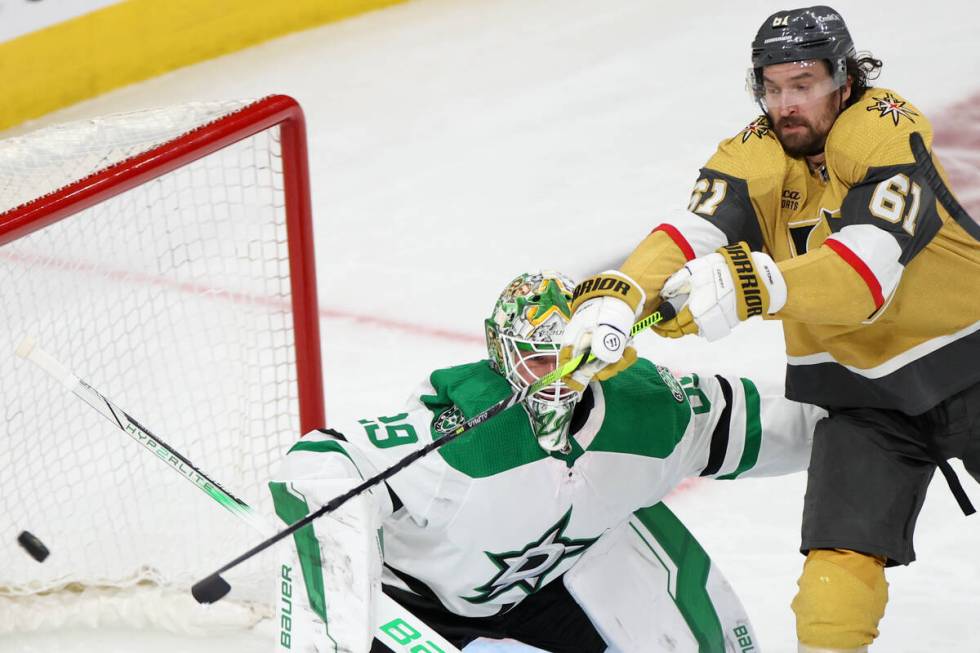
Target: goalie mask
<point>523,339</point>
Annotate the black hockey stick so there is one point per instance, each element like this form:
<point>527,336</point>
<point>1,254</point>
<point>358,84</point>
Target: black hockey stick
<point>213,588</point>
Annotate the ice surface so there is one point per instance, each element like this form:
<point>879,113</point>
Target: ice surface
<point>454,144</point>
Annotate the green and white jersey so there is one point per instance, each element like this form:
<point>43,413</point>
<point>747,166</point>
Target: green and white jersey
<point>491,517</point>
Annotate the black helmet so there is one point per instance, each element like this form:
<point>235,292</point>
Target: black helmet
<point>799,35</point>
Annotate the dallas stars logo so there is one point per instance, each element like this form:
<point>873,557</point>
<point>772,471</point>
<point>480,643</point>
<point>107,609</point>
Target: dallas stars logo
<point>449,420</point>
<point>758,127</point>
<point>891,106</point>
<point>547,300</point>
<point>526,569</point>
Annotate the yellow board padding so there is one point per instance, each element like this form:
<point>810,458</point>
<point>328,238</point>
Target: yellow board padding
<point>841,600</point>
<point>138,39</point>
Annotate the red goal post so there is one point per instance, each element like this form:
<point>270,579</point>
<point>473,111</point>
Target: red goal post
<point>167,256</point>
<point>274,110</point>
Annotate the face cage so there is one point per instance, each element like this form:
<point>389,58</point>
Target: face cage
<point>755,85</point>
<point>549,409</point>
<point>521,358</point>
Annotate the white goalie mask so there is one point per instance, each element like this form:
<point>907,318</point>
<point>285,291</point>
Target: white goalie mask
<point>523,339</point>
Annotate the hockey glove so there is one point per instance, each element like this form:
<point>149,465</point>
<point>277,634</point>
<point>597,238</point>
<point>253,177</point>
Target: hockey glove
<point>604,307</point>
<point>725,288</point>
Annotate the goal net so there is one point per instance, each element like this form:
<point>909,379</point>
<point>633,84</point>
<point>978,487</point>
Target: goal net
<point>165,256</point>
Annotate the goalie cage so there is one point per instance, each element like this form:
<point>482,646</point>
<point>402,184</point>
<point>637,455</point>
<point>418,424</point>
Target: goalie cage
<point>167,257</point>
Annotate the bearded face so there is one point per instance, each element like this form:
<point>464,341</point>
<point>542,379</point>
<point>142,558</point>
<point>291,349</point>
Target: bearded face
<point>802,101</point>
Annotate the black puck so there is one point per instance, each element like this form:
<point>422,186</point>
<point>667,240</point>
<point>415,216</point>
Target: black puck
<point>33,546</point>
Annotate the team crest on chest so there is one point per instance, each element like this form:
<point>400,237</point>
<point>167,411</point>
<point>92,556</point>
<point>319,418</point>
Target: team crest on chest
<point>891,106</point>
<point>759,127</point>
<point>527,569</point>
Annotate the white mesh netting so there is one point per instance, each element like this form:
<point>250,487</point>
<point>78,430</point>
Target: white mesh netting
<point>173,300</point>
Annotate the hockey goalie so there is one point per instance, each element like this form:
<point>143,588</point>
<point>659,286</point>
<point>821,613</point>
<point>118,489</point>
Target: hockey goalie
<point>543,524</point>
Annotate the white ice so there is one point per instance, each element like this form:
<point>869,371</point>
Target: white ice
<point>457,143</point>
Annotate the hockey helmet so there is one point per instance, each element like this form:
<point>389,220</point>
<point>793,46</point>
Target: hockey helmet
<point>523,339</point>
<point>796,35</point>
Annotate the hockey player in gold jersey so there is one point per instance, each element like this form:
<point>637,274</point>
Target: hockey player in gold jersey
<point>831,213</point>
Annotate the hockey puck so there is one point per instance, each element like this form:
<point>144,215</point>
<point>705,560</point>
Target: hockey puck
<point>34,547</point>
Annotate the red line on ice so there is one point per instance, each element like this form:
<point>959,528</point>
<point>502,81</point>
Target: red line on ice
<point>218,294</point>
<point>956,139</point>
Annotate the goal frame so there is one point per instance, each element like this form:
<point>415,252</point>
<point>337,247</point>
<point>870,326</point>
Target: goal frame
<point>272,111</point>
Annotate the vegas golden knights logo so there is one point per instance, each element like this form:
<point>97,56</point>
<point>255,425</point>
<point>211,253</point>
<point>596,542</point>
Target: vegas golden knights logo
<point>893,107</point>
<point>758,127</point>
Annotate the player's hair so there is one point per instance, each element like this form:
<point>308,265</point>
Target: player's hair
<point>862,68</point>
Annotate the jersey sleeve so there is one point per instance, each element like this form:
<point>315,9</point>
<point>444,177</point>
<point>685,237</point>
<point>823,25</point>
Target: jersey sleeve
<point>887,215</point>
<point>744,428</point>
<point>738,184</point>
<point>325,455</point>
<point>361,448</point>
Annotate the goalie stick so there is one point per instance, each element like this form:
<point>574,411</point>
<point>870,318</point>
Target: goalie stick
<point>398,628</point>
<point>213,588</point>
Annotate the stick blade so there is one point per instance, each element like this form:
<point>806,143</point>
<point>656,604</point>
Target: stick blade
<point>211,589</point>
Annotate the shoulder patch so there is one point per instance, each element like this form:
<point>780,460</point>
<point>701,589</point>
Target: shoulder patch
<point>890,105</point>
<point>448,420</point>
<point>671,382</point>
<point>759,127</point>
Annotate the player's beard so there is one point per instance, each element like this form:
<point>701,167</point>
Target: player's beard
<point>807,142</point>
<point>811,139</point>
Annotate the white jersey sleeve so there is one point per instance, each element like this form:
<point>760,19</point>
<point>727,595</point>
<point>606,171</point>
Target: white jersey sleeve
<point>745,428</point>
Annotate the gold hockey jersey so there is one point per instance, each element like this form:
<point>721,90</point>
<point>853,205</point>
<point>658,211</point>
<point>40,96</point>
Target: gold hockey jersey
<point>882,264</point>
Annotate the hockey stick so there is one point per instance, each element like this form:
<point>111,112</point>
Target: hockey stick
<point>214,587</point>
<point>171,457</point>
<point>396,623</point>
